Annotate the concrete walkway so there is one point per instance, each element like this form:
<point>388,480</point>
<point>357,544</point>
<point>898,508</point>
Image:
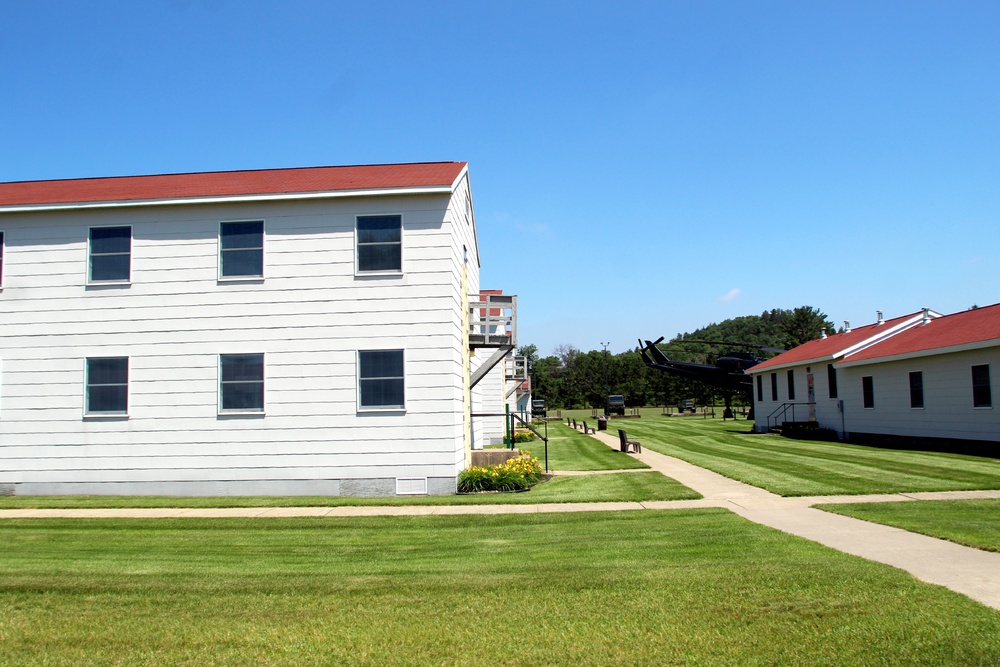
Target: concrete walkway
<point>972,572</point>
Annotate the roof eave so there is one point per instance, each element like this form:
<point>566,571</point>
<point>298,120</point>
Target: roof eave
<point>930,352</point>
<point>792,364</point>
<point>225,199</point>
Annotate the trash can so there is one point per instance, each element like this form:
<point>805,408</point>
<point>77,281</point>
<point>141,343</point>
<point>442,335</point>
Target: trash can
<point>602,423</point>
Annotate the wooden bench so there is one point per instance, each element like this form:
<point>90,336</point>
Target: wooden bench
<point>625,443</point>
<point>587,429</point>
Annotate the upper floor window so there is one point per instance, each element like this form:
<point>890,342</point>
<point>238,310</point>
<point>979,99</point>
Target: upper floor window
<point>791,384</point>
<point>868,391</point>
<point>110,254</point>
<point>380,243</point>
<point>107,386</point>
<point>981,395</point>
<point>917,389</point>
<point>241,383</point>
<point>241,249</point>
<point>381,379</point>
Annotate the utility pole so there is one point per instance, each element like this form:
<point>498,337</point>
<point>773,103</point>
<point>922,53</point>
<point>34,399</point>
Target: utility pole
<point>607,388</point>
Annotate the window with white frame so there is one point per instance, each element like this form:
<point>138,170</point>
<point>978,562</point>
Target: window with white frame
<point>831,380</point>
<point>241,249</point>
<point>110,254</point>
<point>774,386</point>
<point>760,388</point>
<point>791,384</point>
<point>982,396</point>
<point>241,383</point>
<point>107,386</point>
<point>381,380</point>
<point>868,392</point>
<point>380,244</point>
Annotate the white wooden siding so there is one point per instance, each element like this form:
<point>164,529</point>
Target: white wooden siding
<point>948,411</point>
<point>309,316</point>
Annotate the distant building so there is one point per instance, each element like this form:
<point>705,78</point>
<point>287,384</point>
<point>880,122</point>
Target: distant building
<point>923,376</point>
<point>306,331</point>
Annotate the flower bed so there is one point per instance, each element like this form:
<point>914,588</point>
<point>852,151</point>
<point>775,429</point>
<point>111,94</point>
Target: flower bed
<point>516,474</point>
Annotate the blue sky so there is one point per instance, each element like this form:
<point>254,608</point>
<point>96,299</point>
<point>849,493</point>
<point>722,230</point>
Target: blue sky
<point>639,168</point>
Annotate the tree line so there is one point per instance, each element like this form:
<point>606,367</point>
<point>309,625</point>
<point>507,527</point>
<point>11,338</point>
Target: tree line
<point>570,378</point>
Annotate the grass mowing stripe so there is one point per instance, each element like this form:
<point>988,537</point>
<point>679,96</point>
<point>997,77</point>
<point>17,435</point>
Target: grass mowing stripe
<point>682,587</point>
<point>572,450</point>
<point>796,467</point>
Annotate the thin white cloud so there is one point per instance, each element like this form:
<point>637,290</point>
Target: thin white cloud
<point>730,295</point>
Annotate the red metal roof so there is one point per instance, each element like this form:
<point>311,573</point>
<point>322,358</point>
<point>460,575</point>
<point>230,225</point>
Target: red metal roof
<point>830,347</point>
<point>230,183</point>
<point>968,327</point>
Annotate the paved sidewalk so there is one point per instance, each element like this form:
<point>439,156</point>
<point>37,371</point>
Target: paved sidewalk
<point>972,572</point>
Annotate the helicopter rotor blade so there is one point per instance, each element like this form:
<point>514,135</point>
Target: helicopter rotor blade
<point>762,348</point>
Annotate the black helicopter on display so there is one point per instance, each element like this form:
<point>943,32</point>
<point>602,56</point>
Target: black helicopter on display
<point>728,373</point>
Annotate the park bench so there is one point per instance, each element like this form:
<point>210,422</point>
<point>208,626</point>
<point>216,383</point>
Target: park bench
<point>625,443</point>
<point>587,429</point>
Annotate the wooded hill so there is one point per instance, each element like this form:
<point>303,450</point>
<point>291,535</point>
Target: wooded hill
<point>570,378</point>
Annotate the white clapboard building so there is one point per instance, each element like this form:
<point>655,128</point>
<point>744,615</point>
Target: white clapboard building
<point>272,332</point>
<point>920,377</point>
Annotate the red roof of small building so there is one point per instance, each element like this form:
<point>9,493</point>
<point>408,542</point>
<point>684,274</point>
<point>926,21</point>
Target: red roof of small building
<point>230,183</point>
<point>979,325</point>
<point>829,348</point>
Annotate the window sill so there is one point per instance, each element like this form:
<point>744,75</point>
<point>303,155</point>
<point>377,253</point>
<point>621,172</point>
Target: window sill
<point>382,411</point>
<point>241,279</point>
<point>378,274</point>
<point>108,284</point>
<point>235,414</point>
<point>105,416</point>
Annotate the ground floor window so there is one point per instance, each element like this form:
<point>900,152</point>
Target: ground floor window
<point>107,386</point>
<point>381,379</point>
<point>774,386</point>
<point>241,386</point>
<point>981,395</point>
<point>916,389</point>
<point>868,391</point>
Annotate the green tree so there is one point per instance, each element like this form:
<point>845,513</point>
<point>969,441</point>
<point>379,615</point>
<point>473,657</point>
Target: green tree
<point>803,325</point>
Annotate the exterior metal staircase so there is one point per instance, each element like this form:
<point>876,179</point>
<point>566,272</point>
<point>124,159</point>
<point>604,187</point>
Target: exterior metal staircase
<point>493,325</point>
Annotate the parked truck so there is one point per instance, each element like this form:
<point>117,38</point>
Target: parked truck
<point>615,405</point>
<point>537,408</point>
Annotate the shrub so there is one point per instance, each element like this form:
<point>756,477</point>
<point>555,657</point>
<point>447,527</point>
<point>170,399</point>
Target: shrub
<point>523,436</point>
<point>516,474</point>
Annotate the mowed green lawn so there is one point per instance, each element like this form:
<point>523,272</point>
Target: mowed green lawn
<point>804,468</point>
<point>569,450</point>
<point>572,450</point>
<point>974,523</point>
<point>698,587</point>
